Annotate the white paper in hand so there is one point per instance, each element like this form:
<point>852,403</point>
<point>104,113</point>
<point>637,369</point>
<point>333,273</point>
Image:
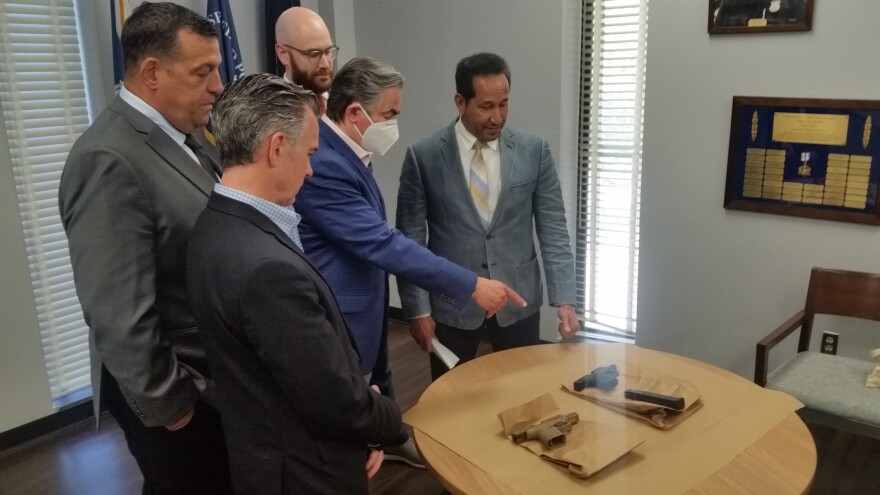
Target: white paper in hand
<point>441,351</point>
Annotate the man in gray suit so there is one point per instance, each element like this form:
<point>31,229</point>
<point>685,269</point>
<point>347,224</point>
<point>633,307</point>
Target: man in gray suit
<point>472,191</point>
<point>130,192</point>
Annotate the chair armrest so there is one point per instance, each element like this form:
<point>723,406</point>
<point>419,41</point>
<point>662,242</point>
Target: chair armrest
<point>762,355</point>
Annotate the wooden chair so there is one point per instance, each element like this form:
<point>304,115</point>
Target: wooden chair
<point>831,387</point>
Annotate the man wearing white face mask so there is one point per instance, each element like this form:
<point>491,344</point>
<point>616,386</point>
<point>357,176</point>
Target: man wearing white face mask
<point>345,233</point>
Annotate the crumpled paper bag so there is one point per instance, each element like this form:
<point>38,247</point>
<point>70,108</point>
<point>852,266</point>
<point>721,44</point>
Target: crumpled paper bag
<point>642,379</point>
<point>589,446</point>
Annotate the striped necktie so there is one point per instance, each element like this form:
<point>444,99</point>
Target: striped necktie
<point>204,160</point>
<point>480,182</point>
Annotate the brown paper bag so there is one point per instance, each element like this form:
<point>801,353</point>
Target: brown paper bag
<point>643,379</point>
<point>589,446</point>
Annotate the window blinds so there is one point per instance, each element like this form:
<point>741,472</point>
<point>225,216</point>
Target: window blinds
<point>44,105</point>
<point>609,165</point>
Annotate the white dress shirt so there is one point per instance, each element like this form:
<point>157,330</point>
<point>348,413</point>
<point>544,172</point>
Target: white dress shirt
<point>491,156</point>
<point>361,153</point>
<point>151,113</point>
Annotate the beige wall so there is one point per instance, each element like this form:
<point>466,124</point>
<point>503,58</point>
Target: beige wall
<point>713,282</point>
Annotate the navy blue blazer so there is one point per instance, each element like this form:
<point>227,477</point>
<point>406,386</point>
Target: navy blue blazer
<point>345,233</point>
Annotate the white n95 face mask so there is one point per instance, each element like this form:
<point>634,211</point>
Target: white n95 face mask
<point>379,136</point>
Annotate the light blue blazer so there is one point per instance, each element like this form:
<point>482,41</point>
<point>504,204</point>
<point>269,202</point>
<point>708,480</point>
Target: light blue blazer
<point>434,208</point>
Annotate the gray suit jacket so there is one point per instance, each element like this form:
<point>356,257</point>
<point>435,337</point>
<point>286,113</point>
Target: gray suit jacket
<point>129,196</point>
<point>434,207</point>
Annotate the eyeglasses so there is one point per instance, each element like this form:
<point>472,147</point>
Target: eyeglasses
<point>315,55</point>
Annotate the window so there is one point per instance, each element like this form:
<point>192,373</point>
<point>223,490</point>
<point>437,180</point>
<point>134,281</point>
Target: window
<point>45,108</point>
<point>609,164</point>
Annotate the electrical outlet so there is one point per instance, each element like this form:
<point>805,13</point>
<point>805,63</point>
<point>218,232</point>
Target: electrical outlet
<point>829,342</point>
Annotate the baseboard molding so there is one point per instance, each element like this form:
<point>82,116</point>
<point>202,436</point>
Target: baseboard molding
<point>26,433</point>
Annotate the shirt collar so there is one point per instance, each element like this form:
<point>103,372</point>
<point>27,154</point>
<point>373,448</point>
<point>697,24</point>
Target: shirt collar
<point>285,217</point>
<point>364,155</point>
<point>151,113</point>
<point>468,139</point>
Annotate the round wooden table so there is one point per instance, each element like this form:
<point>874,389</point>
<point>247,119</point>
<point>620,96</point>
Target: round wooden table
<point>783,461</point>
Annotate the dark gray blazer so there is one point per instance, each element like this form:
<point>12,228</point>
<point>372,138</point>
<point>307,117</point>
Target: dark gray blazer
<point>296,410</point>
<point>128,198</point>
<point>434,207</point>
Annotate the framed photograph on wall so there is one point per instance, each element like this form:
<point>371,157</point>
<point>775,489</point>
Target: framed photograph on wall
<point>815,158</point>
<point>759,16</point>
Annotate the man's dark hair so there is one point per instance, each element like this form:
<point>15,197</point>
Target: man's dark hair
<point>254,107</point>
<point>361,80</point>
<point>478,64</point>
<point>151,31</point>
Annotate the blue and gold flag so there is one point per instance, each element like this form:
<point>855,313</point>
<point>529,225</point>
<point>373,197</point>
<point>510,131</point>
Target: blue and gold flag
<point>220,16</point>
<point>232,67</point>
<point>117,17</point>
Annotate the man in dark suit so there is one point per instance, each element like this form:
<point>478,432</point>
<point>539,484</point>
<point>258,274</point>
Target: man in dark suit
<point>299,416</point>
<point>477,192</point>
<point>345,231</point>
<point>131,189</point>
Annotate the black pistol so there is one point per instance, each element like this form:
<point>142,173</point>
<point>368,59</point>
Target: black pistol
<point>603,378</point>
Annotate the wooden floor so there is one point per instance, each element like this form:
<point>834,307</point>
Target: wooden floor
<point>78,461</point>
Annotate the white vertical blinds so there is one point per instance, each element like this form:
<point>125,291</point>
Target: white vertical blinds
<point>44,104</point>
<point>610,158</point>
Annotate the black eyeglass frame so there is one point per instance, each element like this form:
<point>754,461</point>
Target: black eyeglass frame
<point>315,55</point>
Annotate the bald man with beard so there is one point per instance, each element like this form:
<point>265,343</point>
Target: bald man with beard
<point>304,47</point>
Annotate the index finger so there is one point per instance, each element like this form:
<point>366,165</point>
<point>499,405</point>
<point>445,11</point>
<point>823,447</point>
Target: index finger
<point>512,295</point>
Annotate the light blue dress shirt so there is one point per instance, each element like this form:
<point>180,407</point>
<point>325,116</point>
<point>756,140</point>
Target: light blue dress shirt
<point>285,217</point>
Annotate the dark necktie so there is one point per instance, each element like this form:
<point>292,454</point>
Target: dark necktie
<point>204,159</point>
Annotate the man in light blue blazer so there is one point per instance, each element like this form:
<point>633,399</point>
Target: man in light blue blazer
<point>345,232</point>
<point>472,192</point>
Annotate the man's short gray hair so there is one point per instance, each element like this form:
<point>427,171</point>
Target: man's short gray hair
<point>361,80</point>
<point>254,107</point>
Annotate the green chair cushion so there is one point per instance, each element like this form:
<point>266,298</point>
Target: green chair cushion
<point>830,384</point>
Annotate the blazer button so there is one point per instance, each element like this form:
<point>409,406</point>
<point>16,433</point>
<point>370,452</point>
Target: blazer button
<point>485,266</point>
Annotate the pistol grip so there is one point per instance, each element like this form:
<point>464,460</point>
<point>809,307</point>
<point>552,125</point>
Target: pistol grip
<point>551,437</point>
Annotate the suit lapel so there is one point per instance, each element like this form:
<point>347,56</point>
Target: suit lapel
<point>507,148</point>
<point>165,147</point>
<point>247,212</point>
<point>331,139</point>
<point>242,210</point>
